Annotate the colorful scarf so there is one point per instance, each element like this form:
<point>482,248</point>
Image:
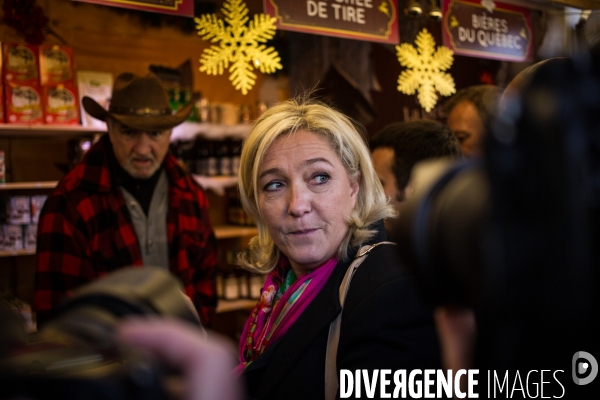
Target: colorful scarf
<point>283,299</point>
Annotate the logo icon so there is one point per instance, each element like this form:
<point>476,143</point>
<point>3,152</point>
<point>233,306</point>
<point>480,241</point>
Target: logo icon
<point>584,363</point>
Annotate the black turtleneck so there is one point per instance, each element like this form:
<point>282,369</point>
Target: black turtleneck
<point>141,189</point>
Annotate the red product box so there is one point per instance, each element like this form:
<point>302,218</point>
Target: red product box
<point>1,69</point>
<point>23,104</point>
<point>60,104</point>
<point>56,65</point>
<point>20,64</point>
<point>2,120</point>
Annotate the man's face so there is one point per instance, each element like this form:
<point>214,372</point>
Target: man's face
<point>139,153</point>
<point>467,126</point>
<point>383,160</point>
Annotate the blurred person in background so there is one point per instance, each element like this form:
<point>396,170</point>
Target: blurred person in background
<point>399,146</point>
<point>470,114</point>
<point>128,203</point>
<point>515,282</point>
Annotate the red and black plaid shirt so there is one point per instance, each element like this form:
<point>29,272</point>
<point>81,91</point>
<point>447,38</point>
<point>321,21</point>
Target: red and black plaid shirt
<point>85,231</point>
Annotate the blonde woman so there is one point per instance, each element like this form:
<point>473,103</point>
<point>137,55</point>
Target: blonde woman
<point>307,180</point>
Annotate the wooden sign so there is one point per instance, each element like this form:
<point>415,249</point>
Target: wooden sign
<point>369,20</point>
<point>488,29</point>
<point>176,7</point>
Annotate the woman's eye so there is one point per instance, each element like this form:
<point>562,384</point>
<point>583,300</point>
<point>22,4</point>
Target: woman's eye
<point>271,186</point>
<point>461,136</point>
<point>321,178</point>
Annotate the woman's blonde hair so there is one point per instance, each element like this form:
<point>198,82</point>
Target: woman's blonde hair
<point>345,140</point>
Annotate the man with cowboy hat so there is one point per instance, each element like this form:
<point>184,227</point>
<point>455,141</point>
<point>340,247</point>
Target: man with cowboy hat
<point>127,203</point>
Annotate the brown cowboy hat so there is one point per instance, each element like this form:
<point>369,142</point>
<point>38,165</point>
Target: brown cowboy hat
<point>140,103</point>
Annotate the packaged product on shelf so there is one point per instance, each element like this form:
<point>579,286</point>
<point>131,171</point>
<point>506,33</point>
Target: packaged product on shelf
<point>98,86</point>
<point>20,64</point>
<point>2,119</point>
<point>60,104</point>
<point>230,114</point>
<point>2,168</point>
<point>12,237</point>
<point>17,209</point>
<point>56,64</point>
<point>29,237</point>
<point>23,104</point>
<point>37,202</point>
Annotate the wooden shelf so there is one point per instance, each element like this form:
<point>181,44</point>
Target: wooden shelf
<point>190,130</point>
<point>28,185</point>
<point>221,232</point>
<point>217,184</point>
<point>23,130</point>
<point>4,253</point>
<point>234,305</point>
<point>234,231</point>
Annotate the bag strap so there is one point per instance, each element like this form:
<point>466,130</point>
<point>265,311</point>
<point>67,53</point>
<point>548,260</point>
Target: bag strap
<point>331,378</point>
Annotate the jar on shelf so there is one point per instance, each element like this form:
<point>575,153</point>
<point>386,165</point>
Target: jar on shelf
<point>231,288</point>
<point>203,110</point>
<point>245,114</point>
<point>243,284</point>
<point>256,283</point>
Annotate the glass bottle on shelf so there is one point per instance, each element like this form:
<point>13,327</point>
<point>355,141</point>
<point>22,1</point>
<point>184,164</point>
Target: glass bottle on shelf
<point>175,98</point>
<point>203,108</point>
<point>245,113</point>
<point>219,282</point>
<point>212,161</point>
<point>201,156</point>
<point>243,284</point>
<point>188,155</point>
<point>223,157</point>
<point>236,152</point>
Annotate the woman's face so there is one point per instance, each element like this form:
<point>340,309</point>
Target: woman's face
<point>305,195</point>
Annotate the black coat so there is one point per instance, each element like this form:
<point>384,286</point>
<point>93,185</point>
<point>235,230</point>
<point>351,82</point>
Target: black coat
<point>384,325</point>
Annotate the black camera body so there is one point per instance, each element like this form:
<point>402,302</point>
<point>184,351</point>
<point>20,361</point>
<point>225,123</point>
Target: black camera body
<point>74,355</point>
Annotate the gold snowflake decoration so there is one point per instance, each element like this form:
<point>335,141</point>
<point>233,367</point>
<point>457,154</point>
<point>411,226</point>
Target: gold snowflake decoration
<point>239,44</point>
<point>424,71</point>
